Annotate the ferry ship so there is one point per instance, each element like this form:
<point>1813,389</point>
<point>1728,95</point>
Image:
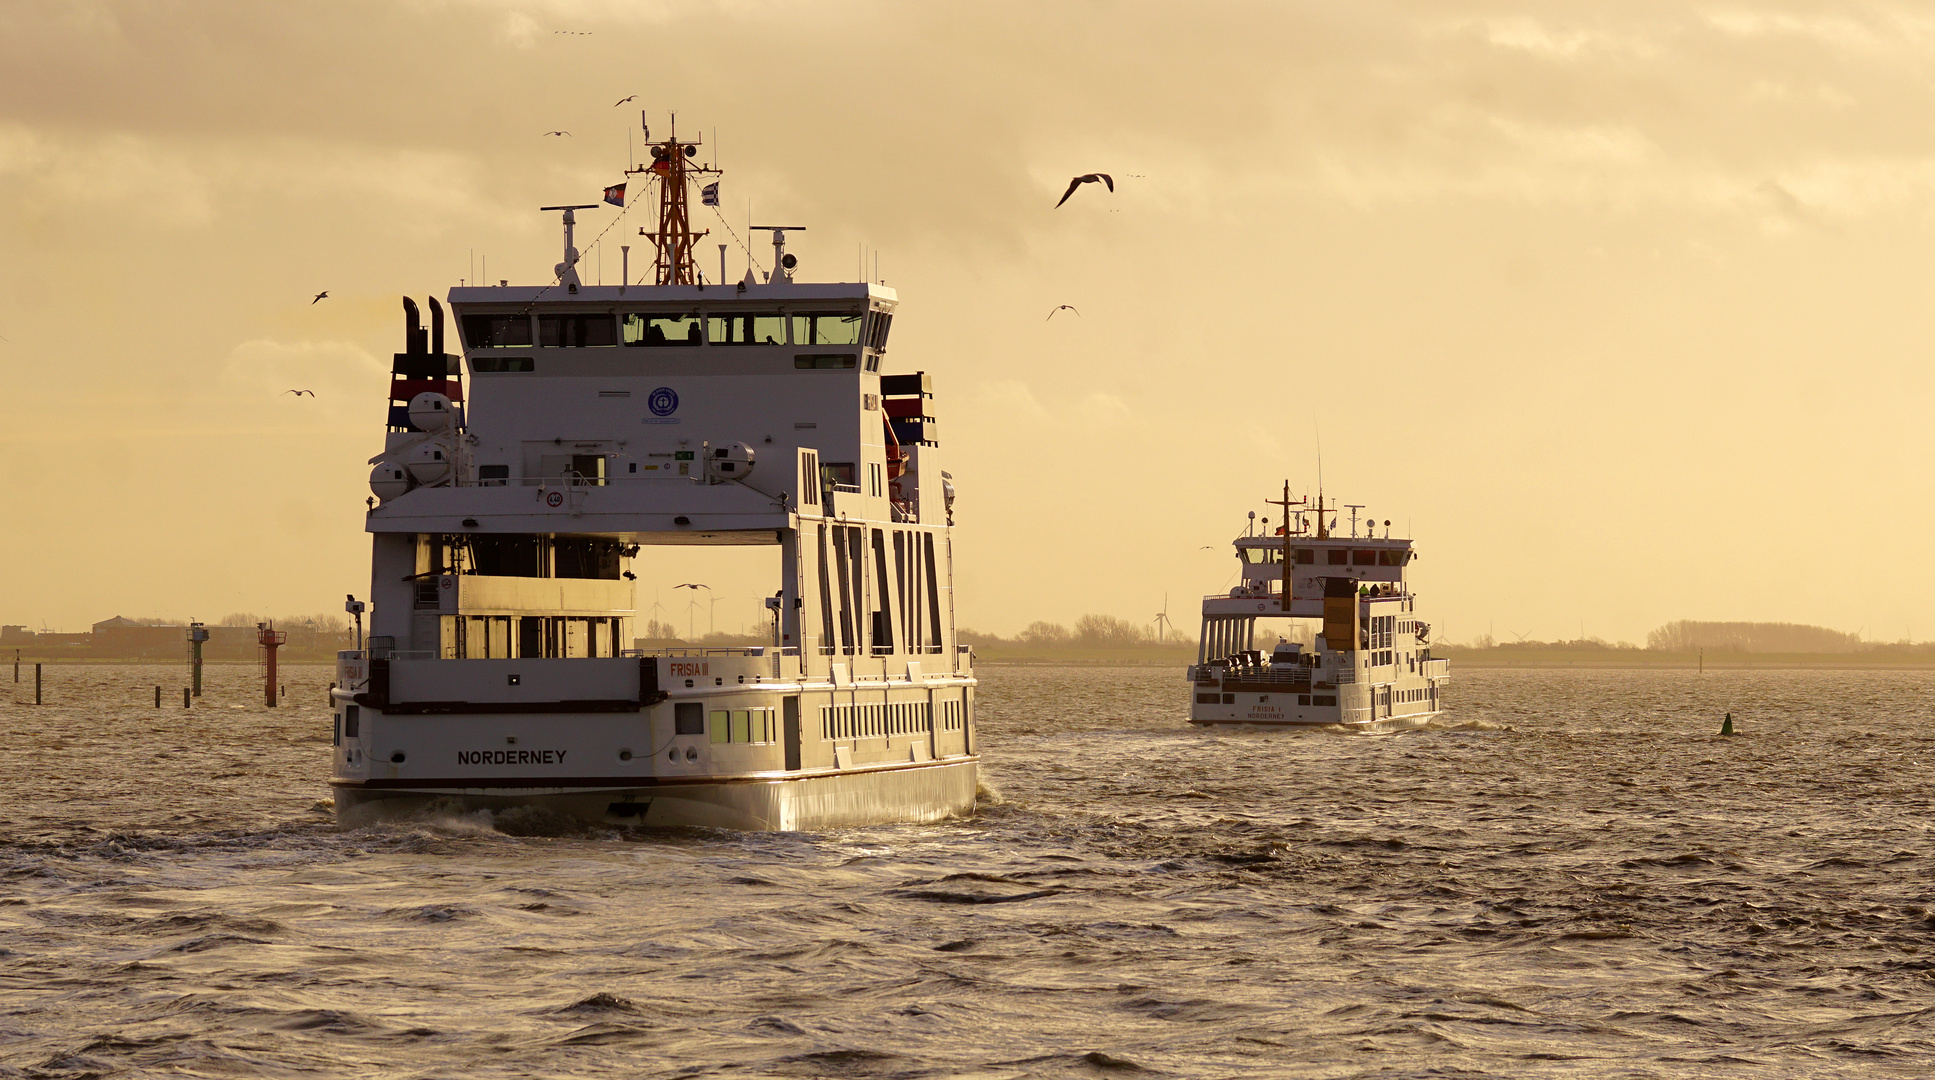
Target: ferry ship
<point>1349,648</point>
<point>582,432</point>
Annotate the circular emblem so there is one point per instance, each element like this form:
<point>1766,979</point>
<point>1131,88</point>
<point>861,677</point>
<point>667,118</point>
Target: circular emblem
<point>554,498</point>
<point>663,402</point>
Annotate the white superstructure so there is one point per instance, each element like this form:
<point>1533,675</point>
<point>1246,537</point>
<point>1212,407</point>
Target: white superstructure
<point>1320,630</point>
<point>585,427</point>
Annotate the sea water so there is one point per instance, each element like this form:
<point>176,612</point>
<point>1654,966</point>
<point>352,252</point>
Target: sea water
<point>1573,875</point>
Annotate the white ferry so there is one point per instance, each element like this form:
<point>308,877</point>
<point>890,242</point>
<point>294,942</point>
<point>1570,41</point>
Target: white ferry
<point>585,430</point>
<point>1349,649</point>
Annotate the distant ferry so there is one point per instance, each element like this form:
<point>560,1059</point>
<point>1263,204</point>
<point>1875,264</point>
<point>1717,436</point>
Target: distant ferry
<point>585,427</point>
<point>1370,668</point>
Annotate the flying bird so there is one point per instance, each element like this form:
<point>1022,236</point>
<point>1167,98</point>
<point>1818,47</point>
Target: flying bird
<point>1089,178</point>
<point>555,133</point>
<point>692,586</point>
<point>1064,307</point>
<point>299,393</point>
<point>319,296</point>
<point>621,101</point>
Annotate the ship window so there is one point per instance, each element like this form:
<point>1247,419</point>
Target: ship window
<point>839,472</point>
<point>501,363</point>
<point>1339,557</point>
<point>877,331</point>
<point>828,328</point>
<point>688,718</point>
<point>1304,556</point>
<point>492,331</point>
<point>745,329</point>
<point>1390,558</point>
<point>721,732</point>
<point>576,331</point>
<point>352,721</point>
<point>1361,557</point>
<point>655,331</point>
<point>1266,556</point>
<point>493,475</point>
<point>740,726</point>
<point>822,361</point>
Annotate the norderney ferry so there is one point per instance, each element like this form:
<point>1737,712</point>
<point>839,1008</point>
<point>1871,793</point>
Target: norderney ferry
<point>584,427</point>
<point>1367,665</point>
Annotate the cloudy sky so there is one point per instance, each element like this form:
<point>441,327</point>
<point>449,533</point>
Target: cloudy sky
<point>1623,310</point>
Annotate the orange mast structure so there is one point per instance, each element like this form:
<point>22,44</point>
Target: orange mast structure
<point>674,238</point>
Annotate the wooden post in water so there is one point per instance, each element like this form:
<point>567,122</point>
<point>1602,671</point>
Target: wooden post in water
<point>184,697</point>
<point>16,665</point>
<point>36,684</point>
<point>157,697</point>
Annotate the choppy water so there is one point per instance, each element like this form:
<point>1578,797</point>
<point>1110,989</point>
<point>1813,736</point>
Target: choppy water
<point>1580,878</point>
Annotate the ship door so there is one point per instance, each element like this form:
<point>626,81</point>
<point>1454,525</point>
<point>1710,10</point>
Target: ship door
<point>790,720</point>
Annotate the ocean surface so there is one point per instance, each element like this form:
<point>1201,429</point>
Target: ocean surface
<point>1574,876</point>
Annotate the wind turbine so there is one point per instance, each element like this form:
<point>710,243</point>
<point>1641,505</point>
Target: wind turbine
<point>1162,619</point>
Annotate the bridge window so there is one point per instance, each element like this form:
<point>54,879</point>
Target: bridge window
<point>576,331</point>
<point>1264,556</point>
<point>1362,557</point>
<point>877,331</point>
<point>491,331</point>
<point>828,328</point>
<point>1304,556</point>
<point>745,329</point>
<point>658,331</point>
<point>1339,557</point>
<point>1391,558</point>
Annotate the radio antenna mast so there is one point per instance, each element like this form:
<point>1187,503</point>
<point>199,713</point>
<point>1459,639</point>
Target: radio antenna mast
<point>675,263</point>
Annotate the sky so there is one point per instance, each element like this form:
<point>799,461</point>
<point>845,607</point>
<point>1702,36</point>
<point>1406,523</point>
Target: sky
<point>1621,310</point>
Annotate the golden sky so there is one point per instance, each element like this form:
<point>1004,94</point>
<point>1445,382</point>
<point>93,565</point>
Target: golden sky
<point>1621,309</point>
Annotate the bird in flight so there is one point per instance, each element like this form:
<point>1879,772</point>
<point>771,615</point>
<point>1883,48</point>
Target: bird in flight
<point>1089,178</point>
<point>555,133</point>
<point>299,393</point>
<point>621,101</point>
<point>319,297</point>
<point>1064,307</point>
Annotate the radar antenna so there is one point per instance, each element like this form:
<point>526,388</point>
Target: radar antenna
<point>676,242</point>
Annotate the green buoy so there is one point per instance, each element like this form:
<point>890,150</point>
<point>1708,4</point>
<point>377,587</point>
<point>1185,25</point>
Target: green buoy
<point>1726,726</point>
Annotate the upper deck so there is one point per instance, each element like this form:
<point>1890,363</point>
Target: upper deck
<point>1312,561</point>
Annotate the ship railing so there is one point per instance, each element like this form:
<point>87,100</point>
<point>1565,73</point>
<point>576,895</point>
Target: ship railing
<point>1344,676</point>
<point>1435,669</point>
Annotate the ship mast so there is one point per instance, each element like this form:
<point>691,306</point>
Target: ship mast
<point>675,263</point>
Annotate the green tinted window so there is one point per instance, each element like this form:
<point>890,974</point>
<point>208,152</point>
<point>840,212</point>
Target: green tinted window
<point>828,328</point>
<point>719,730</point>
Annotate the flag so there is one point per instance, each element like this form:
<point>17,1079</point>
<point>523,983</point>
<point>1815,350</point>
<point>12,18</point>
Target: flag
<point>615,195</point>
<point>709,194</point>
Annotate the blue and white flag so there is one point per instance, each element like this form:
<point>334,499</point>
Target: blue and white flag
<point>709,194</point>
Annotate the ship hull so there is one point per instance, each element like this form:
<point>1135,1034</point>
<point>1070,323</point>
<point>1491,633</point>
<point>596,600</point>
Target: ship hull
<point>1381,726</point>
<point>924,792</point>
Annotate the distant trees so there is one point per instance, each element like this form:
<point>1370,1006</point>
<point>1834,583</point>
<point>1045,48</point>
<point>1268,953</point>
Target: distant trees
<point>1090,632</point>
<point>1688,635</point>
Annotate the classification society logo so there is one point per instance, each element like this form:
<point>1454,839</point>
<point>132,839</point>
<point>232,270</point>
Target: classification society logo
<point>663,402</point>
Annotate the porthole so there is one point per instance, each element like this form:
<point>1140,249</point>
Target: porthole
<point>397,757</point>
<point>624,755</point>
<point>672,754</point>
<point>691,753</point>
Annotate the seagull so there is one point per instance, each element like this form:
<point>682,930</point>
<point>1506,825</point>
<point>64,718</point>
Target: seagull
<point>1064,307</point>
<point>692,586</point>
<point>299,393</point>
<point>555,133</point>
<point>621,101</point>
<point>1089,178</point>
<point>319,297</point>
